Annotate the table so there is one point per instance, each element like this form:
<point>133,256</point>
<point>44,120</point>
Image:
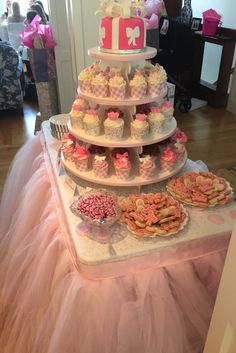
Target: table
<point>51,303</point>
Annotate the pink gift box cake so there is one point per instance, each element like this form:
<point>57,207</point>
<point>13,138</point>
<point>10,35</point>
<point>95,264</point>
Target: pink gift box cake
<point>122,34</point>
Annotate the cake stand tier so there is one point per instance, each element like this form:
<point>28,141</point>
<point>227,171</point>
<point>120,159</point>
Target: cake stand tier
<point>147,53</point>
<point>121,103</point>
<point>126,141</point>
<point>112,180</point>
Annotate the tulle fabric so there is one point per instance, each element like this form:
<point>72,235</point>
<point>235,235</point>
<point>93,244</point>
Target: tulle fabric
<point>46,306</point>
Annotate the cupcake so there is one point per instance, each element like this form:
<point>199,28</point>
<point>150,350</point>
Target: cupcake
<point>179,136</point>
<point>122,166</point>
<point>179,150</point>
<point>154,86</point>
<point>100,166</point>
<point>168,160</point>
<point>114,126</point>
<point>85,80</point>
<point>80,101</point>
<point>81,158</point>
<point>146,167</point>
<point>92,124</point>
<point>68,146</point>
<point>76,116</point>
<point>139,127</point>
<point>162,76</point>
<point>117,87</point>
<point>138,86</point>
<point>100,85</point>
<point>167,110</point>
<point>156,120</point>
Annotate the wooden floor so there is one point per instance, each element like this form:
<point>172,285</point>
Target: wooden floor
<point>211,133</point>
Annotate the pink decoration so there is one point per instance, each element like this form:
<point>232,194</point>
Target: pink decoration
<point>153,9</point>
<point>155,110</point>
<point>80,152</point>
<point>122,161</point>
<point>77,107</point>
<point>167,104</point>
<point>92,112</point>
<point>141,117</point>
<point>168,155</point>
<point>179,136</point>
<point>113,115</point>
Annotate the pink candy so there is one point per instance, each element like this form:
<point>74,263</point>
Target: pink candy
<point>98,206</point>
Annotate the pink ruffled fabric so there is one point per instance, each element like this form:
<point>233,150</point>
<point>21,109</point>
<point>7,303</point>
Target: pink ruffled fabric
<point>46,306</point>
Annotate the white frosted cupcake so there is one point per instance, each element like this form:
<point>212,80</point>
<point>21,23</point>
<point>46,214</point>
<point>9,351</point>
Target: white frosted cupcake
<point>92,124</point>
<point>154,84</point>
<point>100,166</point>
<point>167,110</point>
<point>114,126</point>
<point>85,80</point>
<point>139,127</point>
<point>156,120</point>
<point>117,87</point>
<point>147,167</point>
<point>138,86</point>
<point>100,85</point>
<point>76,116</point>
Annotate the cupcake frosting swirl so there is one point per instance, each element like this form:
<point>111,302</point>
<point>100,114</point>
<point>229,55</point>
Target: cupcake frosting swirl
<point>117,81</point>
<point>138,80</point>
<point>99,79</point>
<point>80,153</point>
<point>168,155</point>
<point>122,161</point>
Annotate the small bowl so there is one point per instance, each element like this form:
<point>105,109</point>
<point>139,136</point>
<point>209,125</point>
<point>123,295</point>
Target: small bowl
<point>102,222</point>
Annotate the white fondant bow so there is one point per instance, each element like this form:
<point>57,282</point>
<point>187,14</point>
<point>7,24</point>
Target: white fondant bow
<point>99,158</point>
<point>145,159</point>
<point>132,34</point>
<point>102,34</point>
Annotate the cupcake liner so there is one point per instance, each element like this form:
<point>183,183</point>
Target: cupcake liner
<point>146,173</point>
<point>114,133</point>
<point>139,134</point>
<point>68,156</point>
<point>167,167</point>
<point>76,123</point>
<point>138,92</point>
<point>100,172</point>
<point>92,130</point>
<point>117,93</point>
<point>122,174</point>
<point>85,86</point>
<point>100,90</point>
<point>155,127</point>
<point>154,89</point>
<point>82,165</point>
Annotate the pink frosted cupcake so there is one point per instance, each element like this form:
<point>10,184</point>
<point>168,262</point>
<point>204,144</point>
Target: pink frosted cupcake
<point>179,150</point>
<point>139,127</point>
<point>179,136</point>
<point>92,124</point>
<point>168,160</point>
<point>81,158</point>
<point>68,146</point>
<point>122,166</point>
<point>117,87</point>
<point>100,86</point>
<point>100,166</point>
<point>114,126</point>
<point>167,110</point>
<point>76,116</point>
<point>146,167</point>
<point>138,86</point>
<point>156,120</point>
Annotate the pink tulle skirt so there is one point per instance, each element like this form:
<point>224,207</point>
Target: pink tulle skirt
<point>46,306</point>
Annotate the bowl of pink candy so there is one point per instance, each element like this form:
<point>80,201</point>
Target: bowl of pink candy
<point>98,208</point>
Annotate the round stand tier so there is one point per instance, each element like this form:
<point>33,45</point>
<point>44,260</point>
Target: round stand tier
<point>126,141</point>
<point>112,180</point>
<point>126,102</point>
<point>147,53</point>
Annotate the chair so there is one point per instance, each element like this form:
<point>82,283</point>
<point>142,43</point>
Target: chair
<point>14,30</point>
<point>11,96</point>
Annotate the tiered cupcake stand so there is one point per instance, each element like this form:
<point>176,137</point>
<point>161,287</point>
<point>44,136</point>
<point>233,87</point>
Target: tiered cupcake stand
<point>128,105</point>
